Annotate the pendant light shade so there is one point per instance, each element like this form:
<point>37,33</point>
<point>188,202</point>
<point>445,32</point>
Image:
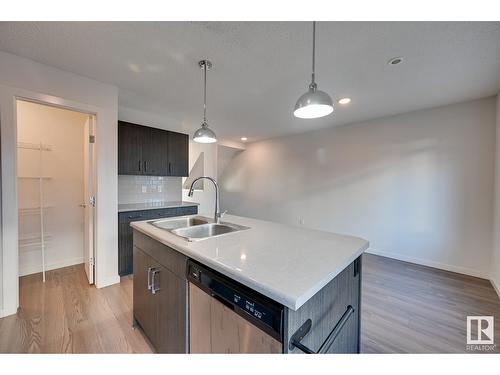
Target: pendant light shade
<point>204,134</point>
<point>314,103</point>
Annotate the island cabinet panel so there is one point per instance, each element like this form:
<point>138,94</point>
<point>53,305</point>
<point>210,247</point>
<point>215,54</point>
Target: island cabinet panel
<point>143,150</point>
<point>215,328</point>
<point>325,310</point>
<point>125,237</point>
<point>160,295</point>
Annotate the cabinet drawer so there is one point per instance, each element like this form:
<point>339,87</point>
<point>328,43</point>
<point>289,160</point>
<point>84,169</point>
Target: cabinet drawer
<point>128,217</point>
<point>191,210</point>
<point>167,257</point>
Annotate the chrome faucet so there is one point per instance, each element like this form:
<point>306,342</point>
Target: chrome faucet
<point>217,214</point>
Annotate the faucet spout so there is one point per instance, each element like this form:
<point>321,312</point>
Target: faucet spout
<point>217,213</point>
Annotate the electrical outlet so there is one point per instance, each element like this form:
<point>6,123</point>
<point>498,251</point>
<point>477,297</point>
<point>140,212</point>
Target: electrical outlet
<point>144,188</point>
<point>159,188</point>
<point>302,221</point>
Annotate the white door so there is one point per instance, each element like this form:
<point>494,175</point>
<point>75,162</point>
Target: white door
<point>89,199</point>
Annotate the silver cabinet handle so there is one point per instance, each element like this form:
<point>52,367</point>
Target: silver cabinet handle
<point>149,277</point>
<point>154,288</point>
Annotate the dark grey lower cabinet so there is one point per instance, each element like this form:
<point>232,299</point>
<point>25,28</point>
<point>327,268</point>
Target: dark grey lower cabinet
<point>325,310</point>
<point>125,263</point>
<point>160,295</point>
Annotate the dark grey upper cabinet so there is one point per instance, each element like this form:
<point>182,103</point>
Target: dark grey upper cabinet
<point>130,141</point>
<point>155,153</point>
<point>152,152</point>
<point>178,145</point>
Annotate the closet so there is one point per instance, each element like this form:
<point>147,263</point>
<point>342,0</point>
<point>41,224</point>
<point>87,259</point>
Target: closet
<point>53,168</point>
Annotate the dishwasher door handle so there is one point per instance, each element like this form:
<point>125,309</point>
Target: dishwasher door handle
<point>295,341</point>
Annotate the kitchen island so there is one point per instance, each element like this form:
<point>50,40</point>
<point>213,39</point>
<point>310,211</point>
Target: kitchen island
<point>313,278</point>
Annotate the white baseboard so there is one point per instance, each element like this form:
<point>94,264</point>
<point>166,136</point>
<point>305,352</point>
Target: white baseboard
<point>430,263</point>
<point>6,312</point>
<point>23,271</point>
<point>102,283</point>
<point>496,286</point>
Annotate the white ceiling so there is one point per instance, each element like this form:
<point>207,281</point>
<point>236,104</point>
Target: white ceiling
<point>261,68</point>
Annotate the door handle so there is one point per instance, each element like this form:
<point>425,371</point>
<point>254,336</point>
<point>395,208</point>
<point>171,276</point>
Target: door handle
<point>145,166</point>
<point>295,340</point>
<point>135,217</point>
<point>139,165</point>
<point>169,168</point>
<point>149,277</point>
<point>154,288</point>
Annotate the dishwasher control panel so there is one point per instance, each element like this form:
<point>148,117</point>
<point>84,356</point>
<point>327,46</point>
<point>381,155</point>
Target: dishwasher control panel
<point>251,305</point>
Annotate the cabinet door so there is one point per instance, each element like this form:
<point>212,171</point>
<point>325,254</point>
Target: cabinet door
<point>130,140</point>
<point>125,243</point>
<point>171,312</point>
<point>155,152</point>
<point>125,239</point>
<point>178,154</point>
<point>144,303</point>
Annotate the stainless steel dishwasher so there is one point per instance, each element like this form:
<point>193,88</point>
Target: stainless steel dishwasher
<point>227,317</point>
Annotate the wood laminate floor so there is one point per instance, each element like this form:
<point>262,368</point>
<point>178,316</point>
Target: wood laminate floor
<point>406,308</point>
<point>67,315</point>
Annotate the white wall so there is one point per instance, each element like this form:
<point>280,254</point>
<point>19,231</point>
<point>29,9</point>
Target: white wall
<point>418,186</point>
<point>495,264</point>
<point>63,193</point>
<point>205,197</point>
<point>21,77</point>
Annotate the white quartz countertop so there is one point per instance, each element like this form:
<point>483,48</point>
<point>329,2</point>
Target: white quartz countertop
<point>285,263</point>
<point>153,205</point>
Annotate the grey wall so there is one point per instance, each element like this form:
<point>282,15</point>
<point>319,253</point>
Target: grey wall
<point>419,186</point>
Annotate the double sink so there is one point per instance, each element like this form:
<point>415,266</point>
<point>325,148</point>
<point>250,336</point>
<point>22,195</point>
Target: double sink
<point>195,228</point>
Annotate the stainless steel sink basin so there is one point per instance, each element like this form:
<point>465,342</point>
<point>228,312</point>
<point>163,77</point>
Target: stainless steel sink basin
<point>180,222</point>
<point>203,231</point>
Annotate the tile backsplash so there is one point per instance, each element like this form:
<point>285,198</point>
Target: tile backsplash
<point>148,189</point>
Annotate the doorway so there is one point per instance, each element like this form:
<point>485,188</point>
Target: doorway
<point>55,189</point>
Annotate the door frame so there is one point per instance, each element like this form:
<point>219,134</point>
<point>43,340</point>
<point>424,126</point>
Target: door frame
<point>9,262</point>
<point>89,206</point>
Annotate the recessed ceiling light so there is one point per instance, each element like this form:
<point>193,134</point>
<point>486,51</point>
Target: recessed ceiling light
<point>244,138</point>
<point>396,60</point>
<point>344,101</point>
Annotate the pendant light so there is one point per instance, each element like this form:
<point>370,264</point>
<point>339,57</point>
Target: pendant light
<point>204,134</point>
<point>314,103</point>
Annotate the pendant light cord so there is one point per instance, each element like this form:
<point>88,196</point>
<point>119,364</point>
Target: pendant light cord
<point>314,54</point>
<point>205,94</point>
